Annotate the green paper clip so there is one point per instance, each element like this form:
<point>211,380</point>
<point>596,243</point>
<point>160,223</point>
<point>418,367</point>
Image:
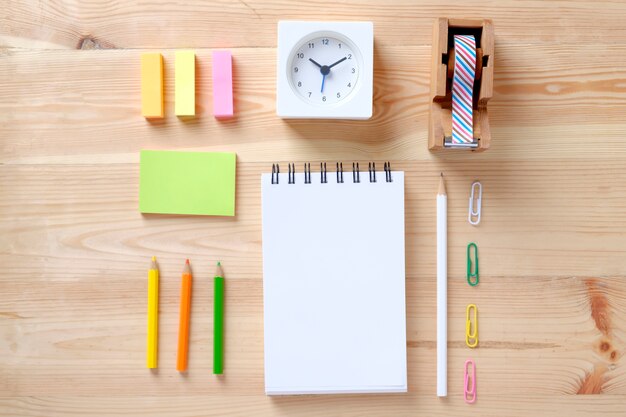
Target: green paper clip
<point>472,277</point>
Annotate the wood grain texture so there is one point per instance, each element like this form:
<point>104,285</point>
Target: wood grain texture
<point>75,251</point>
<point>92,24</point>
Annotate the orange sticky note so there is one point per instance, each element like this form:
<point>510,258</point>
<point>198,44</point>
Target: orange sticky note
<point>185,83</point>
<point>152,85</point>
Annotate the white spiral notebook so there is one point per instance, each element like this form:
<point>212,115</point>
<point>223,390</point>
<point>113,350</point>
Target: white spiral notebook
<point>334,281</point>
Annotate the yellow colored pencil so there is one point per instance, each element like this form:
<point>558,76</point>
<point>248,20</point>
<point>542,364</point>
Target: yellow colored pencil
<point>153,314</point>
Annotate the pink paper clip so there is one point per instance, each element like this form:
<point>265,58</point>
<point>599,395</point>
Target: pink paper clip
<point>469,390</point>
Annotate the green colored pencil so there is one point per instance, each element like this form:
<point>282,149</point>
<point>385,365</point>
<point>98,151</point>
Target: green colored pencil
<point>218,321</point>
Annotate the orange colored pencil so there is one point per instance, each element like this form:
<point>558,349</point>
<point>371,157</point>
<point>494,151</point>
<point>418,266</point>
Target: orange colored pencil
<point>183,327</point>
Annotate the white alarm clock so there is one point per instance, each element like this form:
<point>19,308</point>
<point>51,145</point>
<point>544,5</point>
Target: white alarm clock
<point>325,70</point>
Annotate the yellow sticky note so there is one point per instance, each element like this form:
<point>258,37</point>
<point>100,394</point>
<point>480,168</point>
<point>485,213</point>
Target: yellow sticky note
<point>152,85</point>
<point>185,83</point>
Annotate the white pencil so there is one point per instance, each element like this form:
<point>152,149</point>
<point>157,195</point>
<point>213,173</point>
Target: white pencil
<point>442,290</point>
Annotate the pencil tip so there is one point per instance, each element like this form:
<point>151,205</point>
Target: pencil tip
<point>153,258</point>
<point>219,263</point>
<point>442,186</point>
<point>187,261</point>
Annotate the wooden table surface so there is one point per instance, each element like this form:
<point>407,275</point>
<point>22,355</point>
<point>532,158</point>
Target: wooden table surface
<point>75,250</point>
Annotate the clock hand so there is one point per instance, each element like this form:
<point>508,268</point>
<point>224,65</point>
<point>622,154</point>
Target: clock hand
<point>324,70</point>
<point>310,59</point>
<point>338,62</point>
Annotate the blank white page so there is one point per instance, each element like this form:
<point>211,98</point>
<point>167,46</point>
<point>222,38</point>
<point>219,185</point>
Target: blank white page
<point>334,285</point>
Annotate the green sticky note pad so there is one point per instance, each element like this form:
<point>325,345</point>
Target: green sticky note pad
<point>199,183</point>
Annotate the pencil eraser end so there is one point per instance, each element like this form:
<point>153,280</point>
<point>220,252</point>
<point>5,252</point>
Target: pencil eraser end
<point>222,84</point>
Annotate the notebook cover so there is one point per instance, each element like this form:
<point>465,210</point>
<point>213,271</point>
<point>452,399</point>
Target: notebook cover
<point>334,285</point>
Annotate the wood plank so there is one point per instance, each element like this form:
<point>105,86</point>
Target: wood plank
<point>161,24</point>
<point>311,406</point>
<point>551,108</point>
<point>540,219</point>
<point>91,333</point>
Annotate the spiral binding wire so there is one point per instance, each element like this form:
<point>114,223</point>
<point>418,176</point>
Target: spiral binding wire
<point>371,167</point>
<point>387,169</point>
<point>356,173</point>
<point>339,172</point>
<point>275,172</point>
<point>291,179</point>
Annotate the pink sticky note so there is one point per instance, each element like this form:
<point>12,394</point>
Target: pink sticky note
<point>222,84</point>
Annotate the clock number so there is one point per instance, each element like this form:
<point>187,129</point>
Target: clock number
<point>353,70</point>
<point>349,84</point>
<point>299,83</point>
<point>324,41</point>
<point>311,45</point>
<point>296,69</point>
<point>338,95</point>
<point>300,55</point>
<point>349,56</point>
<point>309,94</point>
<point>339,46</point>
<point>324,98</point>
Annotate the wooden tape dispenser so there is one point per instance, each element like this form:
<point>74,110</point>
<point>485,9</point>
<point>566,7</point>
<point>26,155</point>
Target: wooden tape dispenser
<point>471,126</point>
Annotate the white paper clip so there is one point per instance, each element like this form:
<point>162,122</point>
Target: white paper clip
<point>475,202</point>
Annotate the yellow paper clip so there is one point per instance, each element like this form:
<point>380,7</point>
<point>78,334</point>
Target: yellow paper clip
<point>471,338</point>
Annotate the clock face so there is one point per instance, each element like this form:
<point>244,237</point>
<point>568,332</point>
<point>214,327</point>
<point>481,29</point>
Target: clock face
<point>324,70</point>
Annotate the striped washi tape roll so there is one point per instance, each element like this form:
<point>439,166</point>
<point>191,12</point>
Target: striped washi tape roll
<point>462,89</point>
